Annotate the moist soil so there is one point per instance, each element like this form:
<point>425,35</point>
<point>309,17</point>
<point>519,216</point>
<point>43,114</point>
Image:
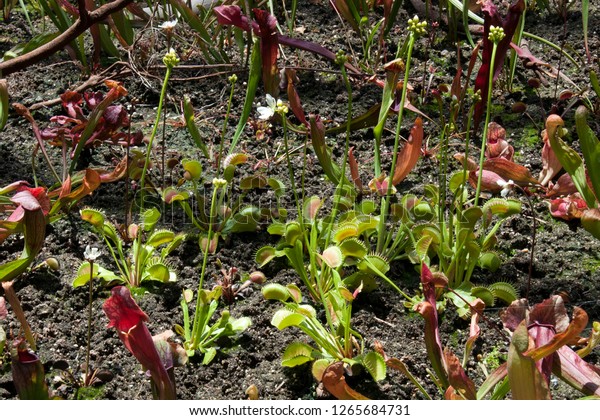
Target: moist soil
<point>566,257</point>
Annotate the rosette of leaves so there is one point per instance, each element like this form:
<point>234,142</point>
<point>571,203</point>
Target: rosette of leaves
<point>458,242</point>
<point>232,215</point>
<point>348,258</point>
<point>146,258</point>
<point>203,335</point>
<point>333,342</point>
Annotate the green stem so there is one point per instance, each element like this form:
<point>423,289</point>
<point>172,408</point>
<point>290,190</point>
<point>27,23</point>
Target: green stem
<point>337,195</point>
<point>385,201</point>
<point>487,121</point>
<point>161,102</point>
<point>224,130</point>
<point>196,325</point>
<point>89,327</point>
<point>290,168</point>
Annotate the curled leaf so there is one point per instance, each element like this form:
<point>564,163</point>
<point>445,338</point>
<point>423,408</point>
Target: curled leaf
<point>334,381</point>
<point>409,155</point>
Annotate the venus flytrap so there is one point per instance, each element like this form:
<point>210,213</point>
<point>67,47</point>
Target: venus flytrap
<point>138,264</point>
<point>334,342</point>
<point>200,336</point>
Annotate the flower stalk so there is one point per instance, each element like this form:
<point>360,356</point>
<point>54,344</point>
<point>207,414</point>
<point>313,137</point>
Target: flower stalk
<point>170,60</point>
<point>496,35</point>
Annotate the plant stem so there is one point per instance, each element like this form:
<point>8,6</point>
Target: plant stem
<point>337,195</point>
<point>224,130</point>
<point>290,168</point>
<point>487,122</point>
<point>161,101</point>
<point>196,324</point>
<point>89,325</point>
<point>385,200</point>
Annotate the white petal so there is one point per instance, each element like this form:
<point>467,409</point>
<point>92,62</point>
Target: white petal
<point>271,101</point>
<point>169,24</point>
<point>265,113</point>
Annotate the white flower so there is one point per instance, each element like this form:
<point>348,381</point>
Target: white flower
<point>90,253</point>
<point>168,25</point>
<point>266,112</point>
<point>507,186</point>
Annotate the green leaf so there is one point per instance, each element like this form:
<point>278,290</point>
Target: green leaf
<point>353,247</point>
<point>252,182</point>
<point>277,186</point>
<point>375,365</point>
<point>264,255</point>
<point>504,291</point>
<point>175,242</point>
<point>150,218</point>
<point>526,381</point>
<point>569,158</point>
<point>276,228</point>
<point>297,354</point>
<point>275,291</point>
<point>160,237</point>
<point>209,355</point>
<point>489,260</point>
<point>485,294</point>
<point>13,269</point>
<point>253,80</point>
<point>457,180</point>
<point>319,367</point>
<point>240,324</point>
<point>83,274</point>
<point>295,292</point>
<point>193,167</point>
<point>159,272</point>
<point>246,220</point>
<point>285,318</point>
<point>189,115</point>
<point>94,217</point>
<point>590,147</point>
<point>2,339</point>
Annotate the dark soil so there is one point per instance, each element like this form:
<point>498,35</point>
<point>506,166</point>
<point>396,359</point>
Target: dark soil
<point>567,258</point>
